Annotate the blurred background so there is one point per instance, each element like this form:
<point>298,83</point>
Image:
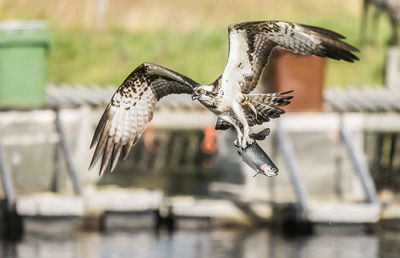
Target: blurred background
<point>184,191</point>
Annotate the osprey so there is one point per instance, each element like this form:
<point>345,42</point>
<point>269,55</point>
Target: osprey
<point>250,45</point>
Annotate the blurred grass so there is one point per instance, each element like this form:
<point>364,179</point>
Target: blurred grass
<point>187,36</point>
<point>107,57</point>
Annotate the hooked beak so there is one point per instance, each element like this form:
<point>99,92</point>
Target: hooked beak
<point>195,96</point>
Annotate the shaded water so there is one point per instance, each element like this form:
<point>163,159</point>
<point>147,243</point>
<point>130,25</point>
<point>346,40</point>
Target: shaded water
<point>220,243</point>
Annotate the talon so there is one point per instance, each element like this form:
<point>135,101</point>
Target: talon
<point>246,142</point>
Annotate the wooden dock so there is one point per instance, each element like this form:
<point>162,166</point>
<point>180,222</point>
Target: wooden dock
<point>348,114</point>
<point>344,213</point>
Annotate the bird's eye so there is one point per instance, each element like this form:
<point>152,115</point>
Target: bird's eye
<point>202,91</point>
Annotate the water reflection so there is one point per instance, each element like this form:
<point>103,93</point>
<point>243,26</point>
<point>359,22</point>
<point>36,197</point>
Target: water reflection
<point>227,243</point>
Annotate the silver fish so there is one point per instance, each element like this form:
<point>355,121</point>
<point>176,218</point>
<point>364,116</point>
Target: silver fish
<point>255,156</point>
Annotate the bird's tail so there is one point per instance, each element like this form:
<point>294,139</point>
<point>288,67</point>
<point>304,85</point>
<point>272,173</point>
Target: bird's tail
<point>265,106</point>
<point>271,99</point>
<point>259,108</point>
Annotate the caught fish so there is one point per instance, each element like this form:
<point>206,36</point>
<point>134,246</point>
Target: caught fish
<point>255,156</point>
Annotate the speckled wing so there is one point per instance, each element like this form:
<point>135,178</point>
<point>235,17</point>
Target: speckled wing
<point>251,43</point>
<point>131,109</point>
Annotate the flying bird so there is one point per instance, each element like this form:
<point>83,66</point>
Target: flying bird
<point>229,96</point>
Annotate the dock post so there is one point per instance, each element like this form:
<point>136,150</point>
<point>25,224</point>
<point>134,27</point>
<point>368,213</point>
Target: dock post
<point>360,164</point>
<point>6,179</point>
<point>392,75</point>
<point>286,149</point>
<point>72,171</point>
<point>12,223</point>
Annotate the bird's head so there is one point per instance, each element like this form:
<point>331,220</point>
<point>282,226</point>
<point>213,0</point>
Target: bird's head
<point>202,93</point>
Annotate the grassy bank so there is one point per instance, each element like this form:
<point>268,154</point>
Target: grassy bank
<point>107,56</point>
<point>188,36</point>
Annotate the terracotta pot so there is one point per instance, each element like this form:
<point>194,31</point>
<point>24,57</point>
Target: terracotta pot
<point>301,73</point>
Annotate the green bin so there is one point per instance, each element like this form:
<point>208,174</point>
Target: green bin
<point>24,46</point>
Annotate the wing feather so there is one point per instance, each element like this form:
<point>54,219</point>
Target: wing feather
<point>116,152</point>
<point>222,125</point>
<point>107,153</point>
<point>131,109</point>
<point>251,43</point>
<point>100,127</point>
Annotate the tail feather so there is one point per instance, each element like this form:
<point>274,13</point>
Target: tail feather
<point>271,99</point>
<point>260,108</point>
<point>266,106</point>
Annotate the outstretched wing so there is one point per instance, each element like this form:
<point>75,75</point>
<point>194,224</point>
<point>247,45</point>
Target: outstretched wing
<point>131,108</point>
<point>251,43</point>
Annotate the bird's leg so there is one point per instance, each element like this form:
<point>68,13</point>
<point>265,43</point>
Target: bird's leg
<point>239,136</point>
<point>246,140</point>
<point>239,132</point>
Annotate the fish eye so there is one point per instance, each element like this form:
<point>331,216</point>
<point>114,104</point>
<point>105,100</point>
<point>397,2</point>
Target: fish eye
<point>202,91</point>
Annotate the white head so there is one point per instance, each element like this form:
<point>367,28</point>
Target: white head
<point>203,93</point>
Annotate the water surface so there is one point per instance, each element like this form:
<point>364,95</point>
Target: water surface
<point>221,243</point>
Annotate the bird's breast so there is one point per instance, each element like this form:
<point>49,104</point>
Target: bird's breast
<point>229,99</point>
<point>223,108</point>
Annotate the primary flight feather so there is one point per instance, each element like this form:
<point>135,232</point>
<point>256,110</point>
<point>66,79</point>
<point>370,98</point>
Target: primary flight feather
<point>250,45</point>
